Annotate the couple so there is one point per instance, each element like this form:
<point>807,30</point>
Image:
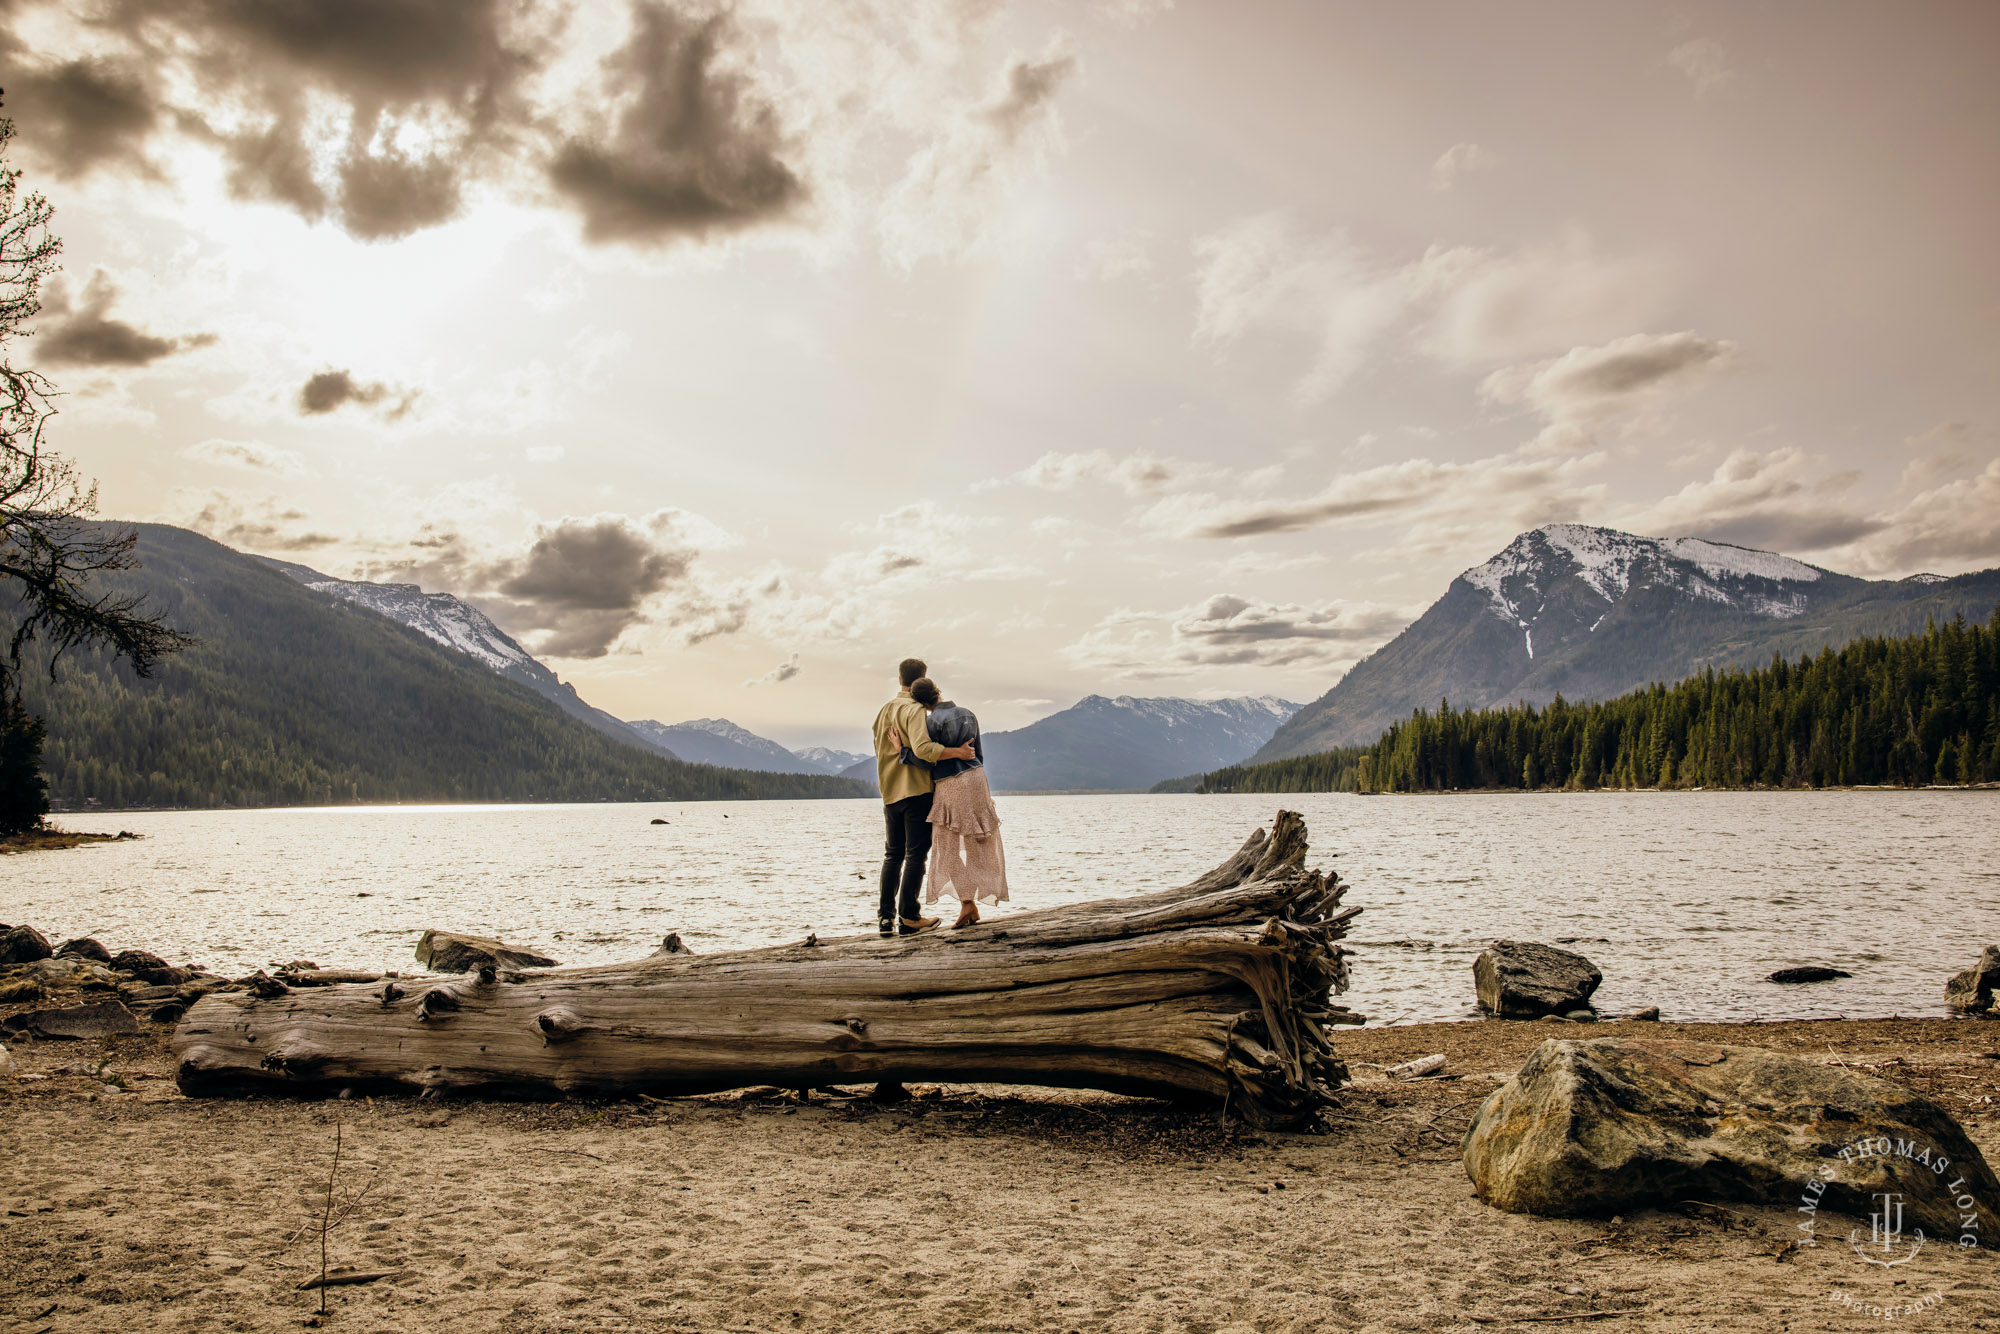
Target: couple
<point>932,771</point>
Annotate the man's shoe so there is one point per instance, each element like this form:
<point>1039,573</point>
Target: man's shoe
<point>886,925</point>
<point>910,926</point>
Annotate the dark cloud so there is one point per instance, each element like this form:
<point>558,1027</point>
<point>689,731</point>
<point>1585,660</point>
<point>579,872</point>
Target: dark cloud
<point>81,114</point>
<point>1031,86</point>
<point>583,582</point>
<point>256,525</point>
<point>1780,529</point>
<point>384,198</point>
<point>273,165</point>
<point>685,145</point>
<point>84,334</point>
<point>694,151</point>
<point>331,390</point>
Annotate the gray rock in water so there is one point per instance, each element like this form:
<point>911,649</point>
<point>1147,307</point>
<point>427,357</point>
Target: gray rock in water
<point>23,944</point>
<point>1608,1125</point>
<point>102,1019</point>
<point>1518,979</point>
<point>1972,991</point>
<point>1812,972</point>
<point>1649,1015</point>
<point>444,952</point>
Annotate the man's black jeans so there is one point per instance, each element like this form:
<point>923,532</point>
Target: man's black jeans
<point>903,855</point>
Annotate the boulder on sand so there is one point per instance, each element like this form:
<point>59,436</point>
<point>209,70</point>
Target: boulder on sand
<point>1972,990</point>
<point>1518,979</point>
<point>22,944</point>
<point>1609,1125</point>
<point>445,952</point>
<point>102,1019</point>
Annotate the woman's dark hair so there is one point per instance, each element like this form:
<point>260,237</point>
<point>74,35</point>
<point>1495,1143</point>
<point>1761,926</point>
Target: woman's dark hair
<point>925,692</point>
<point>910,670</point>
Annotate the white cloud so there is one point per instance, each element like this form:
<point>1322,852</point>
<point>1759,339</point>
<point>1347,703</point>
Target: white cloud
<point>1136,474</point>
<point>1126,255</point>
<point>1518,488</point>
<point>1231,631</point>
<point>1706,63</point>
<point>247,454</point>
<point>952,198</point>
<point>1771,501</point>
<point>1485,306</point>
<point>1624,381</point>
<point>1460,160</point>
<point>784,671</point>
<point>1265,271</point>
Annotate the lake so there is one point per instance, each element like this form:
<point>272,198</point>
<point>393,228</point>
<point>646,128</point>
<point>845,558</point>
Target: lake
<point>1685,900</point>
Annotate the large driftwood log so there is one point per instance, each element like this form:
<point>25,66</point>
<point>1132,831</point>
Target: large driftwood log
<point>1218,992</point>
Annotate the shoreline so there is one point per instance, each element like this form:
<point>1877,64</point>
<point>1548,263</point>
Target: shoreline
<point>968,1207</point>
<point>52,839</point>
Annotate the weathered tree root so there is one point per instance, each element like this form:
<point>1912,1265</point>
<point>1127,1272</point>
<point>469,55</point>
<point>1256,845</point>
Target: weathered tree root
<point>1218,992</point>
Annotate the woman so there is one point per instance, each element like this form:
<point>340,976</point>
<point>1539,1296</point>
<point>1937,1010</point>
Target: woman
<point>966,857</point>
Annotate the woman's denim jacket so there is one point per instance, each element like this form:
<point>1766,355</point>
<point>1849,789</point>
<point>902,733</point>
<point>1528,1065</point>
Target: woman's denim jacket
<point>950,725</point>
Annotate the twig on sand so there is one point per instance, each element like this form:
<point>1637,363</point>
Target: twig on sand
<point>1554,1319</point>
<point>579,1152</point>
<point>341,1278</point>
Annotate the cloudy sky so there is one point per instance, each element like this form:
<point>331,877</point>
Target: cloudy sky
<point>727,353</point>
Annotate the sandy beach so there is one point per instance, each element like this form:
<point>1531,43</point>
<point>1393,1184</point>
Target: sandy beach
<point>966,1208</point>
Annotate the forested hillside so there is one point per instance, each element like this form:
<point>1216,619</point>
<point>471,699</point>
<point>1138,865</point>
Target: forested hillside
<point>1911,711</point>
<point>294,697</point>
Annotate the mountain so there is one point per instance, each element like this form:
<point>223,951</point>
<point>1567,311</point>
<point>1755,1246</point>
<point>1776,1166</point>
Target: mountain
<point>1121,744</point>
<point>719,741</point>
<point>458,624</point>
<point>1590,613</point>
<point>829,760</point>
<point>294,696</point>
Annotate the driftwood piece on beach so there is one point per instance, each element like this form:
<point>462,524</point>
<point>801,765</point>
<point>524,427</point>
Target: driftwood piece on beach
<point>1218,992</point>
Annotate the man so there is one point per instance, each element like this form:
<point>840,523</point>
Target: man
<point>906,804</point>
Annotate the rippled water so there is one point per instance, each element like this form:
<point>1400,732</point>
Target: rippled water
<point>1684,900</point>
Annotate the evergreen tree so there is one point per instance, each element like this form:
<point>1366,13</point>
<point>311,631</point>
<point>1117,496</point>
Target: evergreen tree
<point>1903,712</point>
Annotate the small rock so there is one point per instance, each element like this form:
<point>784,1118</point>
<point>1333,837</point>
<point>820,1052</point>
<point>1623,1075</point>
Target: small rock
<point>84,947</point>
<point>6,1063</point>
<point>1552,1019</point>
<point>1582,1016</point>
<point>1519,979</point>
<point>445,952</point>
<point>1973,991</point>
<point>23,944</point>
<point>1812,972</point>
<point>1649,1015</point>
<point>168,1012</point>
<point>133,961</point>
<point>657,820</point>
<point>98,1020</point>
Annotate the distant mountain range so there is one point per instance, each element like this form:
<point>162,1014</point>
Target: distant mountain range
<point>1591,613</point>
<point>719,741</point>
<point>294,695</point>
<point>1124,743</point>
<point>457,624</point>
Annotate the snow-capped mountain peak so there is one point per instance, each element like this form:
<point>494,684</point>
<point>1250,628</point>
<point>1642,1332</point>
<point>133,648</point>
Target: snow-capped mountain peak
<point>1520,580</point>
<point>440,617</point>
